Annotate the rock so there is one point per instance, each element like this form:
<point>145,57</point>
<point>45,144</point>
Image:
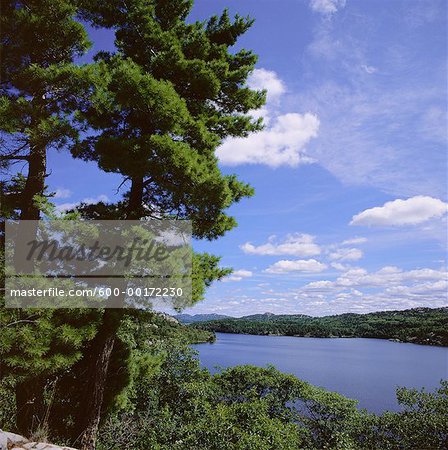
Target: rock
<point>37,446</point>
<point>3,441</point>
<point>12,441</point>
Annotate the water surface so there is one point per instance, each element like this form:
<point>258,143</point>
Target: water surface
<point>368,370</point>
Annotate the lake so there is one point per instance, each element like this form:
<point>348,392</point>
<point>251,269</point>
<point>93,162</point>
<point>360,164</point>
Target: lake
<point>368,370</point>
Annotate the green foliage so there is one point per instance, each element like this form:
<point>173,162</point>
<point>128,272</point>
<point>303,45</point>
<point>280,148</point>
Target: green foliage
<point>7,403</point>
<point>181,406</point>
<point>40,87</point>
<point>35,342</point>
<point>39,343</point>
<point>29,30</point>
<point>421,325</point>
<point>422,423</point>
<point>134,358</point>
<point>163,104</point>
<point>154,112</point>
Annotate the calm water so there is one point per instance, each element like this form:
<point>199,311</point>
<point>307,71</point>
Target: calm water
<point>368,370</point>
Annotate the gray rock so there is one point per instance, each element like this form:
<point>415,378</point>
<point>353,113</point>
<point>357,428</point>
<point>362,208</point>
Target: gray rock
<point>15,438</point>
<point>8,440</point>
<point>3,441</point>
<point>17,442</point>
<point>36,446</point>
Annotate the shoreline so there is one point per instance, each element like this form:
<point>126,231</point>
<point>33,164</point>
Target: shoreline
<point>394,340</point>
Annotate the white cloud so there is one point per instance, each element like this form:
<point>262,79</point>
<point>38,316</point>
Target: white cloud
<point>269,80</point>
<point>318,285</point>
<point>346,254</point>
<point>396,161</point>
<point>62,193</point>
<point>327,6</point>
<point>238,275</point>
<point>294,245</point>
<point>412,211</point>
<point>357,291</point>
<point>339,266</point>
<point>387,276</point>
<point>89,201</point>
<point>283,141</point>
<point>356,240</point>
<point>300,265</point>
<point>389,288</point>
<point>439,287</point>
<point>282,144</point>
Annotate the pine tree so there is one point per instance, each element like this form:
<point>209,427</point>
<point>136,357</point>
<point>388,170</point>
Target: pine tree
<point>40,88</point>
<point>171,93</point>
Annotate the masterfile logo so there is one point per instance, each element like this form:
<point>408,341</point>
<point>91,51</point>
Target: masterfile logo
<point>60,263</point>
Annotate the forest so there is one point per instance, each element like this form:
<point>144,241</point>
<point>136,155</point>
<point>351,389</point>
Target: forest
<point>171,402</point>
<point>427,326</point>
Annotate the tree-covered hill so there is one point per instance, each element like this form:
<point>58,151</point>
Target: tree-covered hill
<point>188,318</point>
<point>420,325</point>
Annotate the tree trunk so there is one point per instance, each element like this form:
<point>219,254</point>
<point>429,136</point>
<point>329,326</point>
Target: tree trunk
<point>96,379</point>
<point>29,394</point>
<point>35,183</point>
<point>105,339</point>
<point>135,205</point>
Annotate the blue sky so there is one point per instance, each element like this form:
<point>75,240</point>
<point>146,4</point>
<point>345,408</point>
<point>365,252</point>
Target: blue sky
<point>351,171</point>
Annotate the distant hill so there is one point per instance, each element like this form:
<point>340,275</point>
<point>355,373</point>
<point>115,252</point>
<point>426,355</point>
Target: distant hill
<point>266,317</point>
<point>419,325</point>
<point>188,318</point>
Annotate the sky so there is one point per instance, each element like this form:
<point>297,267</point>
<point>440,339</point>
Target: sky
<point>350,172</point>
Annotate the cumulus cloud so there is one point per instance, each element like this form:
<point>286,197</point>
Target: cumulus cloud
<point>267,79</point>
<point>238,275</point>
<point>346,254</point>
<point>358,291</point>
<point>283,141</point>
<point>295,245</point>
<point>399,212</point>
<point>282,144</point>
<point>389,288</point>
<point>436,287</point>
<point>327,6</point>
<point>339,266</point>
<point>389,276</point>
<point>299,265</point>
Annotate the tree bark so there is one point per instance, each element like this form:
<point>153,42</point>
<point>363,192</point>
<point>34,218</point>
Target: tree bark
<point>135,205</point>
<point>100,358</point>
<point>35,183</point>
<point>29,393</point>
<point>105,340</point>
